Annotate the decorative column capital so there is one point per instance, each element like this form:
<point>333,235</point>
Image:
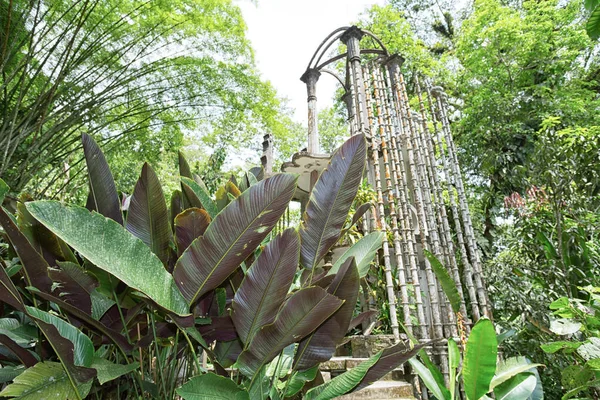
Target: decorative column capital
<point>351,38</point>
<point>310,77</point>
<point>394,62</point>
<point>438,93</point>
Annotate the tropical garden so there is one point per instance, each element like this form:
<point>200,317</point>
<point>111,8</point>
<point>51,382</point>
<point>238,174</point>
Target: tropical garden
<point>138,261</point>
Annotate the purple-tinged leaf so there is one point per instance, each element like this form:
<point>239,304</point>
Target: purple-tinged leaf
<point>258,172</point>
<point>189,226</point>
<point>266,284</point>
<point>22,354</point>
<point>35,266</point>
<point>232,236</point>
<point>228,352</point>
<point>391,358</point>
<point>360,318</point>
<point>302,313</point>
<point>360,211</point>
<point>330,201</point>
<point>190,199</point>
<point>74,285</point>
<point>184,167</point>
<point>220,328</point>
<point>45,242</point>
<point>8,292</point>
<point>118,339</point>
<point>103,192</point>
<point>321,344</point>
<point>148,218</point>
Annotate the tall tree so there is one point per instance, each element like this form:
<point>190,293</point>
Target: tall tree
<point>137,76</point>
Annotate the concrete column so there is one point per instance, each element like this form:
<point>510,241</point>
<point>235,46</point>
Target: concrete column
<point>310,77</point>
<point>351,38</point>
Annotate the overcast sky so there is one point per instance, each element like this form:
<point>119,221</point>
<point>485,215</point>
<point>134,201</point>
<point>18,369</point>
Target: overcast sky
<point>286,33</point>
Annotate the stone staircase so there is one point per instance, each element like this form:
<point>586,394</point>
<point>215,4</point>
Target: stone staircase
<point>358,349</point>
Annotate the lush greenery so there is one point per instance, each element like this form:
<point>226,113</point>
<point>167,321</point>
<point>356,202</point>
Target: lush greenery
<point>100,302</point>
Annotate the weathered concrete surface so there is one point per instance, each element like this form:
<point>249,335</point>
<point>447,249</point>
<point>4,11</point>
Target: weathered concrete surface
<point>382,390</point>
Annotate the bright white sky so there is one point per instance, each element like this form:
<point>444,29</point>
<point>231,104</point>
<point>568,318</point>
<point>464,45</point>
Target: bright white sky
<point>286,33</point>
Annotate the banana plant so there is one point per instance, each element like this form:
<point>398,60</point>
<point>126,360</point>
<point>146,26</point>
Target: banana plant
<point>105,287</point>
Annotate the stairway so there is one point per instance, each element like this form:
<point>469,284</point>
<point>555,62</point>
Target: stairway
<point>358,349</point>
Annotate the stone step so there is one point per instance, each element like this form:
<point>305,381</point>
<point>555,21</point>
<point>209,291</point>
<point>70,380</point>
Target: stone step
<point>338,365</point>
<point>382,390</point>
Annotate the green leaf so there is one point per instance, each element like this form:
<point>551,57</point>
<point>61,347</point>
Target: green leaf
<point>303,312</point>
<point>509,368</point>
<point>184,167</point>
<point>107,371</point>
<point>299,379</point>
<point>265,285</point>
<point>363,252</point>
<point>428,377</point>
<point>446,281</point>
<point>202,194</point>
<point>518,387</point>
<point>103,192</point>
<point>343,383</point>
<point>8,373</point>
<point>82,353</point>
<point>592,25</point>
<point>556,346</point>
<point>590,5</point>
<point>330,201</point>
<point>453,364</point>
<point>111,248</point>
<point>480,356</point>
<point>232,236</point>
<point>148,217</point>
<point>211,386</point>
<point>45,380</point>
<point>3,190</point>
<point>594,364</point>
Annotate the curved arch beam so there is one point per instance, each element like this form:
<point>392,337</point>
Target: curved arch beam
<point>343,28</point>
<point>368,33</point>
<point>327,47</point>
<point>340,56</point>
<point>336,76</point>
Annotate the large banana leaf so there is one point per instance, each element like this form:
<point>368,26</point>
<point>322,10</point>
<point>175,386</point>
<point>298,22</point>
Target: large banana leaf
<point>518,387</point>
<point>45,242</point>
<point>428,376</point>
<point>321,344</point>
<point>202,195</point>
<point>448,284</point>
<point>266,284</point>
<point>73,285</point>
<point>304,311</point>
<point>232,236</point>
<point>510,367</point>
<point>363,252</point>
<point>35,266</point>
<point>115,336</point>
<point>330,201</point>
<point>189,226</point>
<point>211,386</point>
<point>45,380</point>
<point>227,193</point>
<point>391,358</point>
<point>81,354</point>
<point>343,383</point>
<point>73,348</point>
<point>479,363</point>
<point>103,192</point>
<point>148,218</point>
<point>111,248</point>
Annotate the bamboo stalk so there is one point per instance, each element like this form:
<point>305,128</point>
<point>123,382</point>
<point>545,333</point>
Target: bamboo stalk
<point>391,201</point>
<point>383,226</point>
<point>467,269</point>
<point>462,199</point>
